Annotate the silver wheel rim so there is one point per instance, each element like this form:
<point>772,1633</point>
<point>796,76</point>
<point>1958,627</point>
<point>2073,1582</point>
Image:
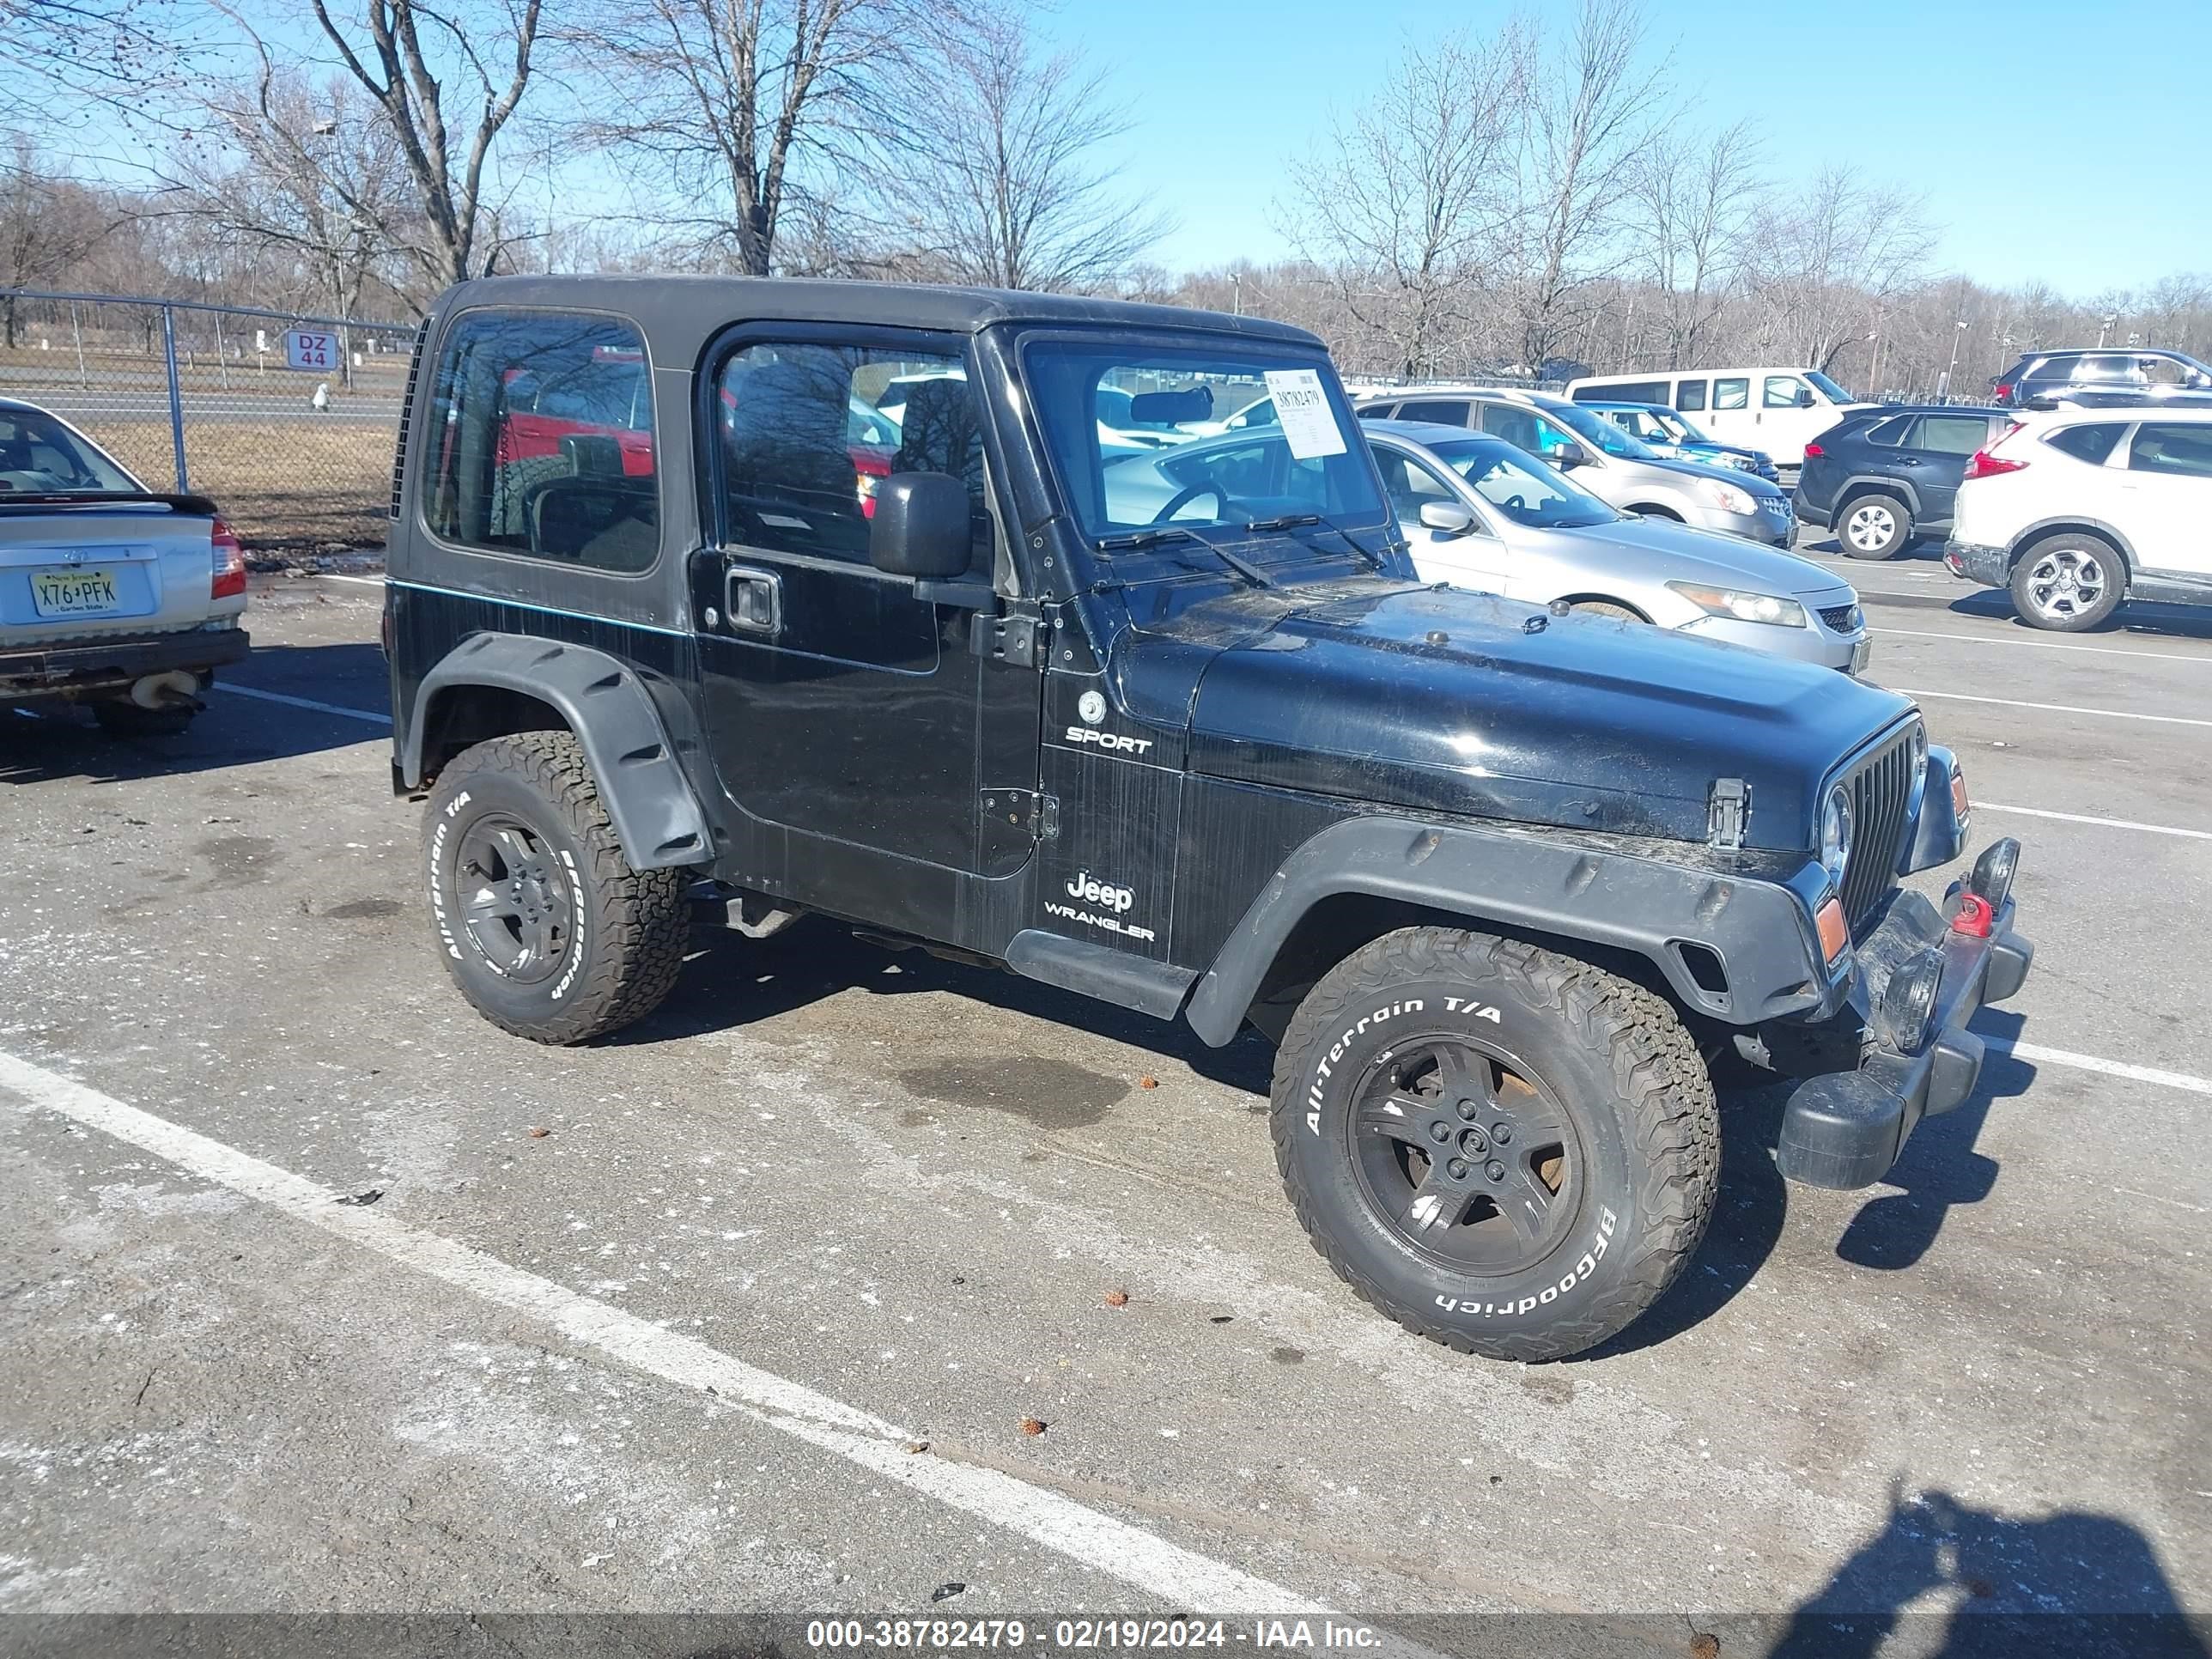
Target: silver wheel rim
<point>2065,584</point>
<point>1870,527</point>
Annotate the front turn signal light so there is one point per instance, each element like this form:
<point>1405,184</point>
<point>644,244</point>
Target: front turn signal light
<point>1835,931</point>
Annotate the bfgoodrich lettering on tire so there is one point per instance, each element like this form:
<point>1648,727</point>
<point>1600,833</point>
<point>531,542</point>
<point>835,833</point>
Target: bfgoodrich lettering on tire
<point>541,920</point>
<point>1507,1151</point>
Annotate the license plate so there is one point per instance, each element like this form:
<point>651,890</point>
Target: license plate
<point>73,592</point>
<point>1860,654</point>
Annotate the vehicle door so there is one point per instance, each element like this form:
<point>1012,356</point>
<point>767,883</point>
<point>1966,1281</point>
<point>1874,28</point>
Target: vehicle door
<point>1473,559</point>
<point>1789,414</point>
<point>1732,420</point>
<point>1932,458</point>
<point>849,719</point>
<point>2168,492</point>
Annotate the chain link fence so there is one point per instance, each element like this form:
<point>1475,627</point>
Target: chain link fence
<point>288,421</point>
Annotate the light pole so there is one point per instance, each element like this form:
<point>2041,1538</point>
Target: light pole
<point>1874,369</point>
<point>2104,327</point>
<point>1943,393</point>
<point>1237,292</point>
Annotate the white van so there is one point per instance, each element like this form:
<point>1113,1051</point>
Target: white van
<point>1776,409</point>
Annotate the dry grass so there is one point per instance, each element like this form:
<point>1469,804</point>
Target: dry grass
<point>284,483</point>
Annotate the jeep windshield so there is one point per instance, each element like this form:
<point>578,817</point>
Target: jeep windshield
<point>1256,441</point>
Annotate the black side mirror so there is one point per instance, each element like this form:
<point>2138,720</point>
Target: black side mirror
<point>1805,397</point>
<point>921,526</point>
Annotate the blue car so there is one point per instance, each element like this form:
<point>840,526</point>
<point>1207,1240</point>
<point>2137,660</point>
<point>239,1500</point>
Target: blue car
<point>1666,431</point>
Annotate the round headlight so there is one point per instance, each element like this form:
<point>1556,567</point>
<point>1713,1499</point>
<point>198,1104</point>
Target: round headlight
<point>1836,832</point>
<point>1919,761</point>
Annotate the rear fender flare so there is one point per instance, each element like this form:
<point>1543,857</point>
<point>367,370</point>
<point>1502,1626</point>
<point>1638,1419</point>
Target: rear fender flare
<point>656,815</point>
<point>1862,484</point>
<point>1760,929</point>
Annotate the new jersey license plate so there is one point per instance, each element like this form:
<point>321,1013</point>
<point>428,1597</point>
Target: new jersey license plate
<point>73,592</point>
<point>1861,654</point>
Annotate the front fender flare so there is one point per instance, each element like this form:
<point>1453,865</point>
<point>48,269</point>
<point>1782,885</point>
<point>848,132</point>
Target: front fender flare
<point>1760,929</point>
<point>656,815</point>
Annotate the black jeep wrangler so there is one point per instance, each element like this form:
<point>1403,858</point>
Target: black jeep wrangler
<point>1075,637</point>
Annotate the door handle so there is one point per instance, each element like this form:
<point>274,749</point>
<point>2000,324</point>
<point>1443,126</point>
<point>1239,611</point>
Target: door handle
<point>752,601</point>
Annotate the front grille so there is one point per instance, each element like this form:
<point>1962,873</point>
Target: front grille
<point>1843,618</point>
<point>1880,786</point>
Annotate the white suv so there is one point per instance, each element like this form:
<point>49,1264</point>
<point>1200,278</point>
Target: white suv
<point>2079,510</point>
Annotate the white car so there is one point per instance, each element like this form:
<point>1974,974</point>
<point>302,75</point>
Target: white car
<point>1777,409</point>
<point>2077,510</point>
<point>111,594</point>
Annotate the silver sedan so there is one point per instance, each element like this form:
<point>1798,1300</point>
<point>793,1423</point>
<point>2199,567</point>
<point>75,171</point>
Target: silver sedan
<point>1480,514</point>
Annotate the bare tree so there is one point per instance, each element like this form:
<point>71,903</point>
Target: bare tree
<point>47,226</point>
<point>734,99</point>
<point>1836,261</point>
<point>68,59</point>
<point>311,172</point>
<point>1402,205</point>
<point>447,80</point>
<point>1693,216</point>
<point>1590,114</point>
<point>994,179</point>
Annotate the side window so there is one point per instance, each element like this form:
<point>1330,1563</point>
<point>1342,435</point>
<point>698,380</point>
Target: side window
<point>808,432</point>
<point>1515,425</point>
<point>1409,485</point>
<point>1780,391</point>
<point>2162,371</point>
<point>2093,443</point>
<point>545,428</point>
<point>1453,413</point>
<point>1637,391</point>
<point>1732,394</point>
<point>1376,412</point>
<point>1891,431</point>
<point>2172,446</point>
<point>1689,395</point>
<point>2101,369</point>
<point>1951,435</point>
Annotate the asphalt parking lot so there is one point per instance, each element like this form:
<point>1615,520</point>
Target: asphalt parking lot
<point>756,1322</point>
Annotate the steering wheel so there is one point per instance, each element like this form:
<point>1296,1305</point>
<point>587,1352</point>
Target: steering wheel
<point>1516,502</point>
<point>1185,496</point>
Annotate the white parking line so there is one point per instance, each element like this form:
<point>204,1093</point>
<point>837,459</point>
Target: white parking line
<point>304,702</point>
<point>1175,1576</point>
<point>2047,645</point>
<point>2041,1055</point>
<point>2056,707</point>
<point>2085,817</point>
<point>333,576</point>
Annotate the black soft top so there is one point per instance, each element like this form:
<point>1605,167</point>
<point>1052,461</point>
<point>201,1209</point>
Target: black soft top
<point>669,308</point>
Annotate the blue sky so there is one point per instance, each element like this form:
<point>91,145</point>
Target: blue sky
<point>2059,142</point>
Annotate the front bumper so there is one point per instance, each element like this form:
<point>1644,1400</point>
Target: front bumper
<point>1971,562</point>
<point>1846,1129</point>
<point>99,667</point>
<point>1812,643</point>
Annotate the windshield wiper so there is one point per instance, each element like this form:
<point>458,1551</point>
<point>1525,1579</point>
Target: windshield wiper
<point>1151,537</point>
<point>1288,521</point>
<point>1296,520</point>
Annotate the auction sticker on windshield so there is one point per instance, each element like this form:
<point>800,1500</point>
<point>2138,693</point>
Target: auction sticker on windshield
<point>1308,424</point>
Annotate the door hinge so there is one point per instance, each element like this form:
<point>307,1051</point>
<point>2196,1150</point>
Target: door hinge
<point>1728,814</point>
<point>1030,809</point>
<point>1011,639</point>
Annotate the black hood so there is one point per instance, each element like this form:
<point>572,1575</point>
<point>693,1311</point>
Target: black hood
<point>1455,701</point>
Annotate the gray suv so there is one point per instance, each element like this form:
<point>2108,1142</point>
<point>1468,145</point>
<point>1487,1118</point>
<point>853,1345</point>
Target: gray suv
<point>2137,375</point>
<point>1620,469</point>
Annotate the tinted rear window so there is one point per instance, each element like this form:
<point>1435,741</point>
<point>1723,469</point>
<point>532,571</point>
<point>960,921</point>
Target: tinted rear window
<point>2092,444</point>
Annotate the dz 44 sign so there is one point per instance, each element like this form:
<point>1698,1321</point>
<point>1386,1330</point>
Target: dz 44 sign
<point>307,348</point>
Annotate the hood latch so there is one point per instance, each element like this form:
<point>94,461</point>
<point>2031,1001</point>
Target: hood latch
<point>1728,814</point>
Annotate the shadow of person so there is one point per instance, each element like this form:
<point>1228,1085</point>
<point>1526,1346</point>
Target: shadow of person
<point>1982,1585</point>
<point>1940,1167</point>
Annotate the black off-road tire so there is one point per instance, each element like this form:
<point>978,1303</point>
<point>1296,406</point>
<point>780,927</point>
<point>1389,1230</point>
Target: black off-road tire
<point>626,944</point>
<point>1617,1060</point>
<point>121,718</point>
<point>1886,532</point>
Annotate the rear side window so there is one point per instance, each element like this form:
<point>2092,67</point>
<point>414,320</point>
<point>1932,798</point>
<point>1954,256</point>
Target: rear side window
<point>2172,446</point>
<point>1951,435</point>
<point>2092,444</point>
<point>543,427</point>
<point>1637,391</point>
<point>1689,395</point>
<point>1732,394</point>
<point>1375,412</point>
<point>808,433</point>
<point>1453,413</point>
<point>1891,431</point>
